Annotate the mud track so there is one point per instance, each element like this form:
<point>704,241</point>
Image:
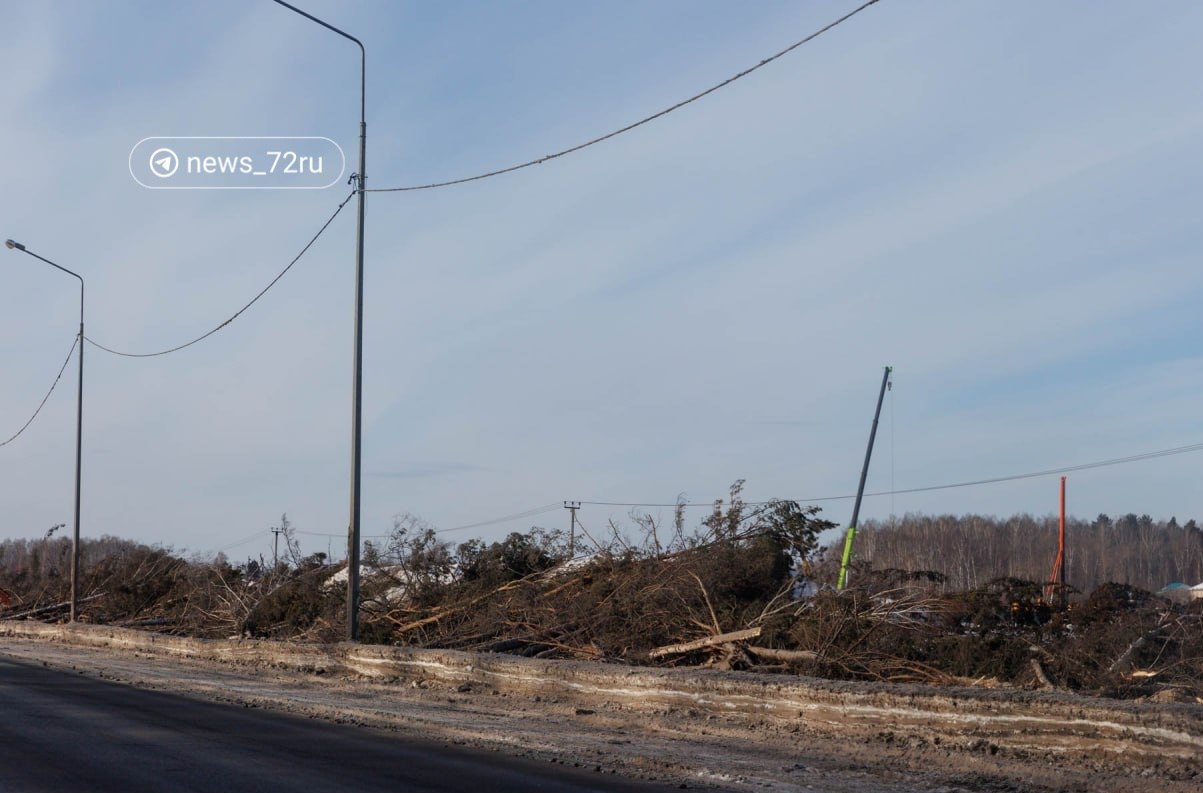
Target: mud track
<point>690,727</point>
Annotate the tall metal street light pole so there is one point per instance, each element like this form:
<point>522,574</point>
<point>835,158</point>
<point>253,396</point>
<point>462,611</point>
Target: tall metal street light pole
<point>357,388</point>
<point>79,425</point>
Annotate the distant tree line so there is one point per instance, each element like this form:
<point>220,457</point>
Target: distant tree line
<point>32,565</point>
<point>971,550</point>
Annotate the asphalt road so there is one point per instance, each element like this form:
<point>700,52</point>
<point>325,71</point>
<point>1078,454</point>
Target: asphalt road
<point>66,732</point>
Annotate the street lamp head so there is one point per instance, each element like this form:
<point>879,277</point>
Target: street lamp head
<point>10,245</point>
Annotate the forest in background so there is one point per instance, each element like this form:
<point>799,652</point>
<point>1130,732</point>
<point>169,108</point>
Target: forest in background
<point>972,550</point>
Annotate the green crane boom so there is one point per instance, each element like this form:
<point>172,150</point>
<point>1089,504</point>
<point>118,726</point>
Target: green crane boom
<point>860,490</point>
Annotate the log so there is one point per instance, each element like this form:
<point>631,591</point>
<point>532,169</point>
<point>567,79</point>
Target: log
<point>785,656</point>
<point>709,641</point>
<point>1041,676</point>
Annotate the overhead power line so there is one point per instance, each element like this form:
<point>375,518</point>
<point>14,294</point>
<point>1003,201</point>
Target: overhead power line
<point>530,513</point>
<point>634,125</point>
<point>243,541</point>
<point>42,404</point>
<point>237,313</point>
<point>1132,458</point>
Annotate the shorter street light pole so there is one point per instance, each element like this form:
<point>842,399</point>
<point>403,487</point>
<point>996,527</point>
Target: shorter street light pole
<point>79,425</point>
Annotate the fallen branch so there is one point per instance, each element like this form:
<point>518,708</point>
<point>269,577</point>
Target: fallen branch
<point>446,611</point>
<point>405,627</point>
<point>55,607</point>
<point>709,641</point>
<point>505,645</point>
<point>558,589</point>
<point>1124,662</point>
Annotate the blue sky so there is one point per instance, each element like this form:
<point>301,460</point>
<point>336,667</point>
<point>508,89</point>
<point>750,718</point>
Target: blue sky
<point>998,199</point>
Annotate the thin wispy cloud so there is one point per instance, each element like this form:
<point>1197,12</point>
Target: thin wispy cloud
<point>421,470</point>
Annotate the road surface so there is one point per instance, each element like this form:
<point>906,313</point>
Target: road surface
<point>66,732</point>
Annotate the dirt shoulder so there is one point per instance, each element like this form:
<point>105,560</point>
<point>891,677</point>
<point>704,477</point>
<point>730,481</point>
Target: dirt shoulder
<point>689,727</point>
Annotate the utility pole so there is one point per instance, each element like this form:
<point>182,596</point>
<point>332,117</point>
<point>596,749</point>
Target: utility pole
<point>860,490</point>
<point>276,547</point>
<point>572,507</point>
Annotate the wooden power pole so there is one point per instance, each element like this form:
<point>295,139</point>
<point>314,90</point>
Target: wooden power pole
<point>572,507</point>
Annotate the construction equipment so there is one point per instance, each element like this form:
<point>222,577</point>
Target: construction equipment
<point>1056,577</point>
<point>860,490</point>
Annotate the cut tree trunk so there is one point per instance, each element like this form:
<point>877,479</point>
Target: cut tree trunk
<point>784,656</point>
<point>709,641</point>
